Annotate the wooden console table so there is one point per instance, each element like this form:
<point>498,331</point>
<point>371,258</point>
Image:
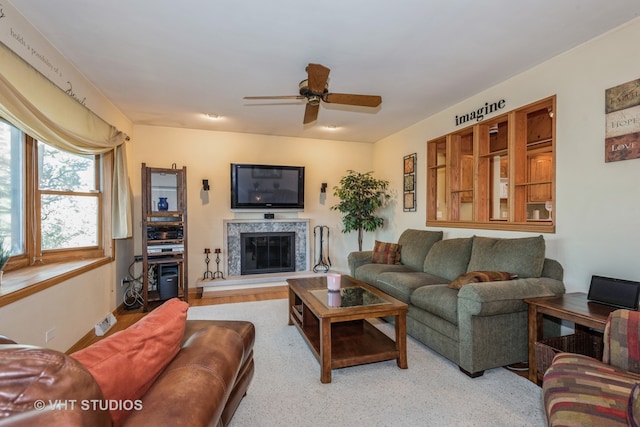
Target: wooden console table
<point>573,307</point>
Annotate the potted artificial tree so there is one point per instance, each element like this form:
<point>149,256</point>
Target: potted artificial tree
<point>360,196</point>
<point>5,253</point>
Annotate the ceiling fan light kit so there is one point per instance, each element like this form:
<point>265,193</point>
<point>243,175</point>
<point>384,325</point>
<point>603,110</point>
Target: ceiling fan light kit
<point>316,88</point>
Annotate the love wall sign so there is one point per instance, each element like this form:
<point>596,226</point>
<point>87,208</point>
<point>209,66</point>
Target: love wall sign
<point>622,137</point>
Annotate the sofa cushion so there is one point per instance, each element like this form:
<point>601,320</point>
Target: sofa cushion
<point>385,253</point>
<point>126,363</point>
<point>438,300</point>
<point>401,285</point>
<point>479,277</point>
<point>448,258</point>
<point>523,256</point>
<point>415,246</point>
<point>368,273</point>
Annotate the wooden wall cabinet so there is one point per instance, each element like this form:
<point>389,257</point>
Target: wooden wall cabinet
<point>496,174</point>
<point>164,234</point>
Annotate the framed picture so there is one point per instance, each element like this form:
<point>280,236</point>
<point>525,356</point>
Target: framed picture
<point>410,201</point>
<point>409,186</point>
<point>409,163</point>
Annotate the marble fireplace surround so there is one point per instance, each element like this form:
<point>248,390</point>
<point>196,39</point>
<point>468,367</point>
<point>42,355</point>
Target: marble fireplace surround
<point>234,227</point>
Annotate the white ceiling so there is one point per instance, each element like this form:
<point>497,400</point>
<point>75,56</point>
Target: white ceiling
<point>169,62</point>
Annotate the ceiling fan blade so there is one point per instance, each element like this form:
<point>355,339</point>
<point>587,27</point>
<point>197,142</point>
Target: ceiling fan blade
<point>351,99</point>
<point>310,113</point>
<point>318,76</point>
<point>275,97</point>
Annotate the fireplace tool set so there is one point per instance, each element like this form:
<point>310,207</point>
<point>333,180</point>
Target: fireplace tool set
<point>324,262</point>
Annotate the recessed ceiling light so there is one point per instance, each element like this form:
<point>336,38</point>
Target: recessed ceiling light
<point>213,116</point>
<point>332,127</point>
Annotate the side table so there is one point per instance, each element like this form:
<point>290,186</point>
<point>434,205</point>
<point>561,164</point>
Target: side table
<point>572,307</point>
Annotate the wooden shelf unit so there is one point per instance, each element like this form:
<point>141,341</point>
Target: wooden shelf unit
<point>164,232</point>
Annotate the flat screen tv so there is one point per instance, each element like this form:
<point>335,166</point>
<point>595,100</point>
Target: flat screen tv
<point>267,187</point>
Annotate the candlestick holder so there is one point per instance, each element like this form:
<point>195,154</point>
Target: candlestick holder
<point>218,274</point>
<point>207,274</point>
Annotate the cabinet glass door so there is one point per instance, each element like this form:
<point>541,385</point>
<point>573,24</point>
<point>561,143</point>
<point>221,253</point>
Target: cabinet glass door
<point>164,192</point>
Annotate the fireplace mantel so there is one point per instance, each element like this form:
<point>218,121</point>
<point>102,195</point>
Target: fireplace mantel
<point>234,227</point>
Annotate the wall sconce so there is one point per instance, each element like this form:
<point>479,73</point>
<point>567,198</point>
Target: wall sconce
<point>205,185</point>
<point>323,188</point>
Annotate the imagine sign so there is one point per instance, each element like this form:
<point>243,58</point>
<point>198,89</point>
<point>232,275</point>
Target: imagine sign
<point>479,113</point>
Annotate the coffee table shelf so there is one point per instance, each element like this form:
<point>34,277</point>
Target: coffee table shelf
<point>342,336</point>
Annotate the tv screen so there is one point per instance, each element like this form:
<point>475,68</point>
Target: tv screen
<point>267,187</point>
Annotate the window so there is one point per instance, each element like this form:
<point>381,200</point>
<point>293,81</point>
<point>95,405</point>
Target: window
<point>12,187</point>
<point>51,203</point>
<point>497,174</point>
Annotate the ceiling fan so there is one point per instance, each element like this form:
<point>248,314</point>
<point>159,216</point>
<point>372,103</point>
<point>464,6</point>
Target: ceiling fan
<point>316,88</point>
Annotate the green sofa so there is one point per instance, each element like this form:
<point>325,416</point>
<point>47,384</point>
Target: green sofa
<point>481,325</point>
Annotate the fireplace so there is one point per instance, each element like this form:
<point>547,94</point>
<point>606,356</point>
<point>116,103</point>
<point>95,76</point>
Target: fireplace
<point>235,228</point>
<point>267,252</point>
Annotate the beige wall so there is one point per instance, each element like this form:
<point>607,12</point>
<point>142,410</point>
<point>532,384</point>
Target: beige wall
<point>207,155</point>
<point>598,231</point>
<point>72,308</point>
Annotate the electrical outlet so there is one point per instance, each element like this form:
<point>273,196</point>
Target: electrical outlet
<point>50,334</point>
<point>105,324</point>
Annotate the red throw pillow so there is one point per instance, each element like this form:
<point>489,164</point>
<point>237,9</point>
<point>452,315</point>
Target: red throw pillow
<point>386,253</point>
<point>126,363</point>
<point>480,276</point>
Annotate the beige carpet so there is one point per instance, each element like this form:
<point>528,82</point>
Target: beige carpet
<point>286,388</point>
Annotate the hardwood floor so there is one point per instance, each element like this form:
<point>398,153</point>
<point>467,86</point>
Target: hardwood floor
<point>127,318</point>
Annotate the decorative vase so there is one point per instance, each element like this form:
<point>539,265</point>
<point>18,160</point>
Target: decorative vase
<point>163,205</point>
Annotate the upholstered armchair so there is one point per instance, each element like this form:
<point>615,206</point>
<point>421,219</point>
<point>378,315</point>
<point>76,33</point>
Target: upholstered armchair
<point>580,390</point>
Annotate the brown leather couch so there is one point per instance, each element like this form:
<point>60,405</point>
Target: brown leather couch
<point>203,385</point>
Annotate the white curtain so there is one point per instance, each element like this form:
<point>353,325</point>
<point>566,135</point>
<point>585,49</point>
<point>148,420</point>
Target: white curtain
<point>39,108</point>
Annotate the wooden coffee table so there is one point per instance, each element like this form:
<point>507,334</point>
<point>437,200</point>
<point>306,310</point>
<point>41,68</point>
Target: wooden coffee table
<point>334,324</point>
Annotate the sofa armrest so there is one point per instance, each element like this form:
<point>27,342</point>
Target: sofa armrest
<point>33,376</point>
<point>358,258</point>
<point>194,387</point>
<point>490,298</point>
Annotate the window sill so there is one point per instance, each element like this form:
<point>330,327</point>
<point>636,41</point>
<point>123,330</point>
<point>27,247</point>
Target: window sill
<point>21,283</point>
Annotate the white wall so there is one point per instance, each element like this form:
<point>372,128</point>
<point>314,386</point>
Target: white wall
<point>597,227</point>
<point>208,154</point>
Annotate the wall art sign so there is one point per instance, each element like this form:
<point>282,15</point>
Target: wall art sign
<point>479,113</point>
<point>17,34</point>
<point>409,184</point>
<point>622,136</point>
